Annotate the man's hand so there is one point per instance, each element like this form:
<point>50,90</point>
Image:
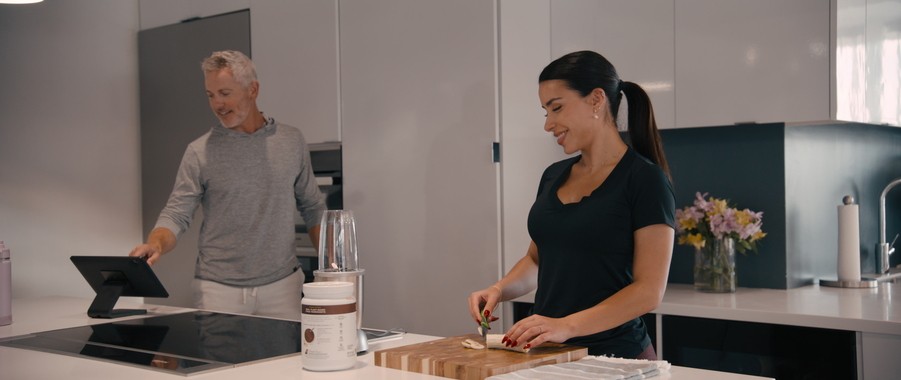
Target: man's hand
<point>160,241</point>
<point>146,251</point>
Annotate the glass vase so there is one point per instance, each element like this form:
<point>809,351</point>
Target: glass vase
<point>714,270</point>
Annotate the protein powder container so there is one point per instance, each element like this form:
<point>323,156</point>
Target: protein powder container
<point>329,322</point>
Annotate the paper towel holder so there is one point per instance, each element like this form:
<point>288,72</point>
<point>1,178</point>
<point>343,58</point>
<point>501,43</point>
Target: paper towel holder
<point>865,282</point>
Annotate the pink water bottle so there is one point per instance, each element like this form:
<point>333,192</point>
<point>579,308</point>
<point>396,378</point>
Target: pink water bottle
<point>6,286</point>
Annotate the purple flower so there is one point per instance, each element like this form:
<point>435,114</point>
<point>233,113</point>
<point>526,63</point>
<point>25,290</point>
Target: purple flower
<point>712,218</point>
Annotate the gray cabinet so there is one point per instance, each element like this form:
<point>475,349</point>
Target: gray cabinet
<point>174,112</point>
<point>295,50</point>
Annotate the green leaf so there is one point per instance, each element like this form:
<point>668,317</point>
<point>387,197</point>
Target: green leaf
<point>748,246</point>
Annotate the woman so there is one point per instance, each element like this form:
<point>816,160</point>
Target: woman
<point>602,222</point>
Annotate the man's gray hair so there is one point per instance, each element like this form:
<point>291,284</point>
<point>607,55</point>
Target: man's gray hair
<point>241,66</point>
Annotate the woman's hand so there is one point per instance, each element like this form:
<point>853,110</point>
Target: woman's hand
<point>522,279</point>
<point>536,329</point>
<point>484,301</point>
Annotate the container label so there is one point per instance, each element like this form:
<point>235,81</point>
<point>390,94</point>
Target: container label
<point>329,339</point>
<point>331,309</point>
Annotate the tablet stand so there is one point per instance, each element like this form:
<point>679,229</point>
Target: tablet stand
<point>112,277</point>
<point>106,299</point>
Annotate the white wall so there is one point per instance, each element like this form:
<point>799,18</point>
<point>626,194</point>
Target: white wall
<point>69,167</point>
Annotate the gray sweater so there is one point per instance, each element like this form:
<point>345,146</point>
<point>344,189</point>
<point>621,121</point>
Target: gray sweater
<point>249,186</point>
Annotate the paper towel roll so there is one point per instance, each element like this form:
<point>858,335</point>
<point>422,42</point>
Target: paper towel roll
<point>848,243</point>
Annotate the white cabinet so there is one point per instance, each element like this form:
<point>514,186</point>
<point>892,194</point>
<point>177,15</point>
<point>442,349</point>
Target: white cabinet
<point>742,61</point>
<point>526,149</point>
<point>883,62</point>
<point>295,50</point>
<point>868,61</point>
<point>878,356</point>
<point>636,36</point>
<point>419,101</point>
<point>709,62</point>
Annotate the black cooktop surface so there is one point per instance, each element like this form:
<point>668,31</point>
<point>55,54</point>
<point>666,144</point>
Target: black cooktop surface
<point>185,343</point>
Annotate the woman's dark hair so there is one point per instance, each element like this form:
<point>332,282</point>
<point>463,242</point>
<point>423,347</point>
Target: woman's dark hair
<point>584,71</point>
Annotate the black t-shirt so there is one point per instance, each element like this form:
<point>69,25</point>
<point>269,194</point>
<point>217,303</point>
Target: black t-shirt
<point>585,249</point>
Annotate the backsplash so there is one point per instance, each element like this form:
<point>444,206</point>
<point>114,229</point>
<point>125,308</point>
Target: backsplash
<point>796,174</point>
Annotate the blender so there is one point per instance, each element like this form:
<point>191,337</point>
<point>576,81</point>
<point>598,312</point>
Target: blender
<point>338,260</point>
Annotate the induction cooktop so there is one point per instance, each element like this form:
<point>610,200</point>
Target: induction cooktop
<point>186,343</point>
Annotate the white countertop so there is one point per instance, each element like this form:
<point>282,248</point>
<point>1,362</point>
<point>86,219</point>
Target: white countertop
<point>49,313</point>
<point>873,310</point>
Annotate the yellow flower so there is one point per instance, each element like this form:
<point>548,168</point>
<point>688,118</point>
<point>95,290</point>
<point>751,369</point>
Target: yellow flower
<point>743,217</point>
<point>758,235</point>
<point>719,205</point>
<point>688,224</point>
<point>697,240</point>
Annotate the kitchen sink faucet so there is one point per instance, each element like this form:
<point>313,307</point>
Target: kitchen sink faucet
<point>884,249</point>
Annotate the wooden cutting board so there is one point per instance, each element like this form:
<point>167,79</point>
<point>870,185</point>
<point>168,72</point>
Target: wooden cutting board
<point>448,358</point>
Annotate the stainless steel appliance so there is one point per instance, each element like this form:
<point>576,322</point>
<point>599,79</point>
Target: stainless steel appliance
<point>326,161</point>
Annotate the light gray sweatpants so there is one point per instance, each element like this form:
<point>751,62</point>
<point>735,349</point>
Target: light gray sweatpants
<point>280,299</point>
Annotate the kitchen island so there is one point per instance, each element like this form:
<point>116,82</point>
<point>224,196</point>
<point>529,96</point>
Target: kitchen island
<point>863,323</point>
<point>35,315</point>
<point>866,323</point>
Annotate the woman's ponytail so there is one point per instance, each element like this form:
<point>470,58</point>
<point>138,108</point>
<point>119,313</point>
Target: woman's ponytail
<point>643,132</point>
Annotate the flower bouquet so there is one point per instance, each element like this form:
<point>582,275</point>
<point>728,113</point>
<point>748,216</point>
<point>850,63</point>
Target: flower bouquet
<point>717,230</point>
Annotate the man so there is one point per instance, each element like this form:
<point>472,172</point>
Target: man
<point>249,173</point>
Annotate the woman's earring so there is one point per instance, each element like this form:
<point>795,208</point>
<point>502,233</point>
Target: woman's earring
<point>595,113</point>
